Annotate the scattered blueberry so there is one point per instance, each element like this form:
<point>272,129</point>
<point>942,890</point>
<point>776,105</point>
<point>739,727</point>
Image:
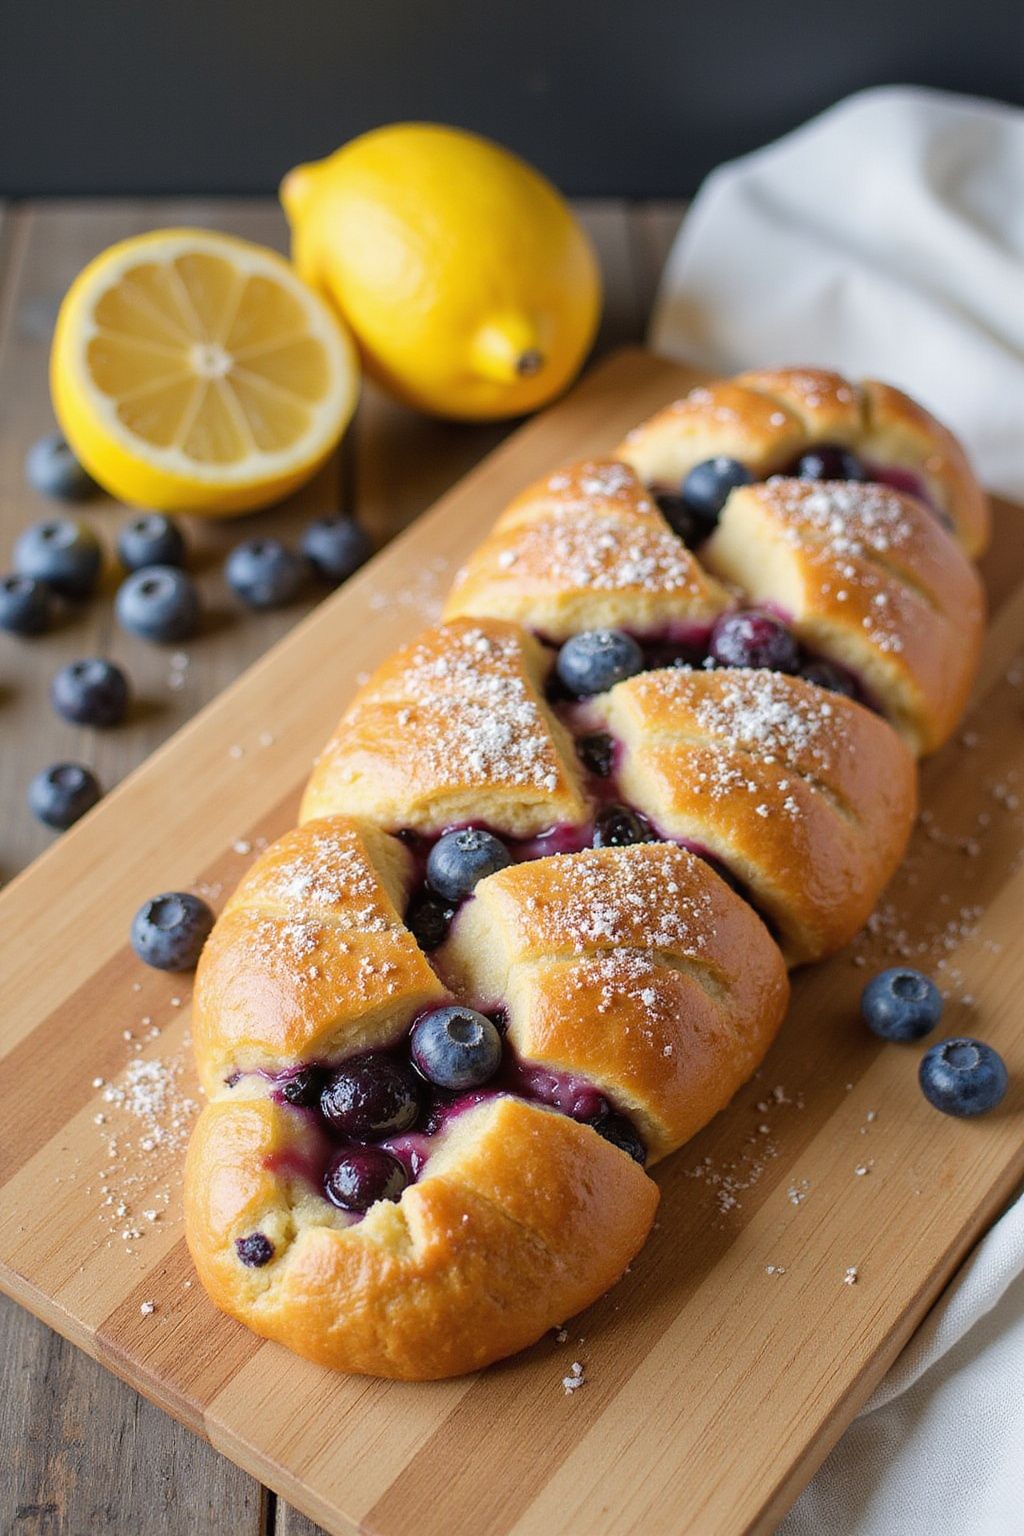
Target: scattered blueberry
<point>52,469</point>
<point>158,603</point>
<point>169,931</point>
<point>336,547</point>
<point>150,539</point>
<point>963,1077</point>
<point>254,1250</point>
<point>62,793</point>
<point>596,660</point>
<point>901,1004</point>
<point>705,490</point>
<point>304,1087</point>
<point>360,1176</point>
<point>829,461</point>
<point>62,552</point>
<point>825,675</point>
<point>26,605</point>
<point>263,573</point>
<point>618,827</point>
<point>752,639</point>
<point>90,692</point>
<point>685,524</point>
<point>621,1133</point>
<point>458,860</point>
<point>428,919</point>
<point>370,1097</point>
<point>596,753</point>
<point>455,1047</point>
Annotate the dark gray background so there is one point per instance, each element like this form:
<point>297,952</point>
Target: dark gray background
<point>624,97</point>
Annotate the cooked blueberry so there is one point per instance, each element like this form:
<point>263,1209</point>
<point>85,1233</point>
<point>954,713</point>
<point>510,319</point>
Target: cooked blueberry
<point>829,461</point>
<point>427,919</point>
<point>26,605</point>
<point>150,539</point>
<point>589,1106</point>
<point>360,1176</point>
<point>158,603</point>
<point>752,639</point>
<point>455,1047</point>
<point>52,469</point>
<point>685,523</point>
<point>458,860</point>
<point>621,1133</point>
<point>90,692</point>
<point>371,1097</point>
<point>596,660</point>
<point>617,827</point>
<point>254,1250</point>
<point>304,1087</point>
<point>825,675</point>
<point>596,753</point>
<point>263,573</point>
<point>336,547</point>
<point>169,931</point>
<point>963,1077</point>
<point>901,1004</point>
<point>62,793</point>
<point>62,552</point>
<point>706,488</point>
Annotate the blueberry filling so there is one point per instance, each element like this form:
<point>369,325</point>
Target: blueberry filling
<point>371,1097</point>
<point>597,753</point>
<point>618,826</point>
<point>254,1250</point>
<point>305,1088</point>
<point>360,1176</point>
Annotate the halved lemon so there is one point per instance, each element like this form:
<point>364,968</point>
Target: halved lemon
<point>194,372</point>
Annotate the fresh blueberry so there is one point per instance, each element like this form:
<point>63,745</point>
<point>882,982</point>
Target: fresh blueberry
<point>752,639</point>
<point>596,753</point>
<point>62,552</point>
<point>428,919</point>
<point>169,931</point>
<point>158,603</point>
<point>621,1133</point>
<point>596,660</point>
<point>304,1087</point>
<point>90,692</point>
<point>829,461</point>
<point>26,605</point>
<point>825,675</point>
<point>62,793</point>
<point>458,860</point>
<point>335,547</point>
<point>901,1004</point>
<point>255,1250</point>
<point>455,1047</point>
<point>52,469</point>
<point>963,1077</point>
<point>705,490</point>
<point>150,539</point>
<point>371,1097</point>
<point>618,827</point>
<point>360,1176</point>
<point>685,524</point>
<point>263,573</point>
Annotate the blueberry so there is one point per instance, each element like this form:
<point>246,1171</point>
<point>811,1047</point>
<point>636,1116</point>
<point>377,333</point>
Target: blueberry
<point>459,859</point>
<point>51,468</point>
<point>455,1047</point>
<point>360,1176</point>
<point>169,931</point>
<point>263,573</point>
<point>825,675</point>
<point>26,605</point>
<point>963,1077</point>
<point>254,1250</point>
<point>829,461</point>
<point>90,692</point>
<point>62,552</point>
<point>596,753</point>
<point>150,539</point>
<point>621,1133</point>
<point>596,660</point>
<point>619,827</point>
<point>684,523</point>
<point>752,639</point>
<point>158,603</point>
<point>428,919</point>
<point>370,1097</point>
<point>304,1087</point>
<point>901,1004</point>
<point>705,490</point>
<point>335,547</point>
<point>62,793</point>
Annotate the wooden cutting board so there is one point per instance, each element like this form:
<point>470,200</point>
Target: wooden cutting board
<point>801,1237</point>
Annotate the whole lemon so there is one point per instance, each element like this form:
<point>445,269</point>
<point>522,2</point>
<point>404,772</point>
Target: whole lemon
<point>471,289</point>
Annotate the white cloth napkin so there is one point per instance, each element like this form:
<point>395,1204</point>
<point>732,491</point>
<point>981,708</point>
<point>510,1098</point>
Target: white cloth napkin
<point>886,238</point>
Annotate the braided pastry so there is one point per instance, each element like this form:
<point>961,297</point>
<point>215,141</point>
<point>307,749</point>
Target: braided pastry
<point>438,1060</point>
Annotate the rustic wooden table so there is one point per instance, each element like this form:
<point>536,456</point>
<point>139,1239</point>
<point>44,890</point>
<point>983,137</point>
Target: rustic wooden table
<point>83,1453</point>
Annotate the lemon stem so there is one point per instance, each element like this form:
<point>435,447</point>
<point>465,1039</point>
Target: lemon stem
<point>505,350</point>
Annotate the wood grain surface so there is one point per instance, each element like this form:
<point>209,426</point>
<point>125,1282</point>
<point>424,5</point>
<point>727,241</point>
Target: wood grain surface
<point>801,1237</point>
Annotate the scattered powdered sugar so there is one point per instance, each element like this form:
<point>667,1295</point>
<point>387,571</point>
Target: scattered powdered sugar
<point>851,1276</point>
<point>637,901</point>
<point>575,1379</point>
<point>570,550</point>
<point>328,870</point>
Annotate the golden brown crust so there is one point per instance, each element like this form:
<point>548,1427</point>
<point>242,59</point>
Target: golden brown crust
<point>767,417</point>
